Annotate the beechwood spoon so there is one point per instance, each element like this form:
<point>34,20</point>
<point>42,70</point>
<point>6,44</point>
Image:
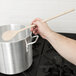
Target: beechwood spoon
<point>8,35</point>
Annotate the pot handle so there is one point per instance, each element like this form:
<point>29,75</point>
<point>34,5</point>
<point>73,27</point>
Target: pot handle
<point>36,36</point>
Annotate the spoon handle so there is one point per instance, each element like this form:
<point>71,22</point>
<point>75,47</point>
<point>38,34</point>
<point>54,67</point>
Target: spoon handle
<point>66,12</point>
<point>26,28</point>
<point>46,20</point>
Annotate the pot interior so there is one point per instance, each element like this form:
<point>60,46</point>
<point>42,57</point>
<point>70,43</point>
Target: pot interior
<point>20,36</point>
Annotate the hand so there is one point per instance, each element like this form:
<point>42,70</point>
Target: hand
<point>41,28</point>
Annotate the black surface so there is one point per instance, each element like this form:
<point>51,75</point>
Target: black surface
<point>52,64</point>
<point>47,62</point>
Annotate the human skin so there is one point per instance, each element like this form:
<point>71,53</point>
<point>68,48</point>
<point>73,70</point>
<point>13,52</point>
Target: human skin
<point>65,46</point>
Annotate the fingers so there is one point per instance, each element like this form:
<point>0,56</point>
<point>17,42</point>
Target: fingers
<point>37,19</point>
<point>36,22</point>
<point>35,31</point>
<point>35,27</point>
<point>33,23</point>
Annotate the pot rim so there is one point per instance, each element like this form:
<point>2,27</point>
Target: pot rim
<point>17,40</point>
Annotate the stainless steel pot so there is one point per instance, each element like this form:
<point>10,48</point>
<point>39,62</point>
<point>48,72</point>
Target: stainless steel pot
<point>16,54</point>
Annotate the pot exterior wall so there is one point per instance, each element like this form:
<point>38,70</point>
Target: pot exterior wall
<point>15,57</point>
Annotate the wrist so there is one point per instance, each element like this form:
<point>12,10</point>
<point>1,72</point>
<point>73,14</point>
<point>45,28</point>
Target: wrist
<point>48,34</point>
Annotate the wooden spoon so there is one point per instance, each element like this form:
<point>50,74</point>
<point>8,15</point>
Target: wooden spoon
<point>8,35</point>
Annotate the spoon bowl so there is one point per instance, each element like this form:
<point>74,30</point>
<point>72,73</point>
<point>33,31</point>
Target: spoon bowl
<point>8,35</point>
